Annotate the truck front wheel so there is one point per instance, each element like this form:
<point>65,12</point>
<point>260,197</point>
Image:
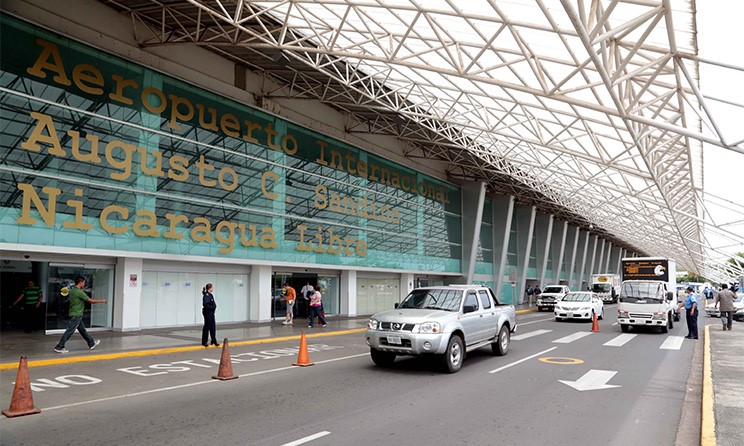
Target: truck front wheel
<point>453,356</point>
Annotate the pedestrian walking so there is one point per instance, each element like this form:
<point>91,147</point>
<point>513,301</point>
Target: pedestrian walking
<point>290,297</point>
<point>305,293</point>
<point>725,298</point>
<point>32,297</point>
<point>315,304</point>
<point>208,308</point>
<point>77,298</point>
<point>691,308</point>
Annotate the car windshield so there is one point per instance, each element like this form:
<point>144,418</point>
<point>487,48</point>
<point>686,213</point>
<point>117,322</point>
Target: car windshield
<point>553,289</point>
<point>577,297</point>
<point>433,299</point>
<point>641,291</point>
<point>601,287</point>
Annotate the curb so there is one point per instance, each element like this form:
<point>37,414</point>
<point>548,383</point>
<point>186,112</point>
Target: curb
<point>707,419</point>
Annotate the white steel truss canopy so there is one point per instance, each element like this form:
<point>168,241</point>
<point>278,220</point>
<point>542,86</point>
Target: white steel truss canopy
<point>591,110</point>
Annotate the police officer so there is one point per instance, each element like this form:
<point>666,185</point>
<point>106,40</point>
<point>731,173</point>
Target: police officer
<point>691,309</point>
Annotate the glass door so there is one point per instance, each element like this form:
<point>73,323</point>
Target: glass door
<point>99,284</point>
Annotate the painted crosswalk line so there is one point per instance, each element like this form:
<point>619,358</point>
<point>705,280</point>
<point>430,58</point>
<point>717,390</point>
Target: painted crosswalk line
<point>529,334</point>
<point>620,340</point>
<point>672,343</point>
<point>572,337</point>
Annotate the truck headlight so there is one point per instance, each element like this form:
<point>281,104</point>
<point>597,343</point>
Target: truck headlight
<point>659,317</point>
<point>622,314</point>
<point>373,324</point>
<point>430,327</point>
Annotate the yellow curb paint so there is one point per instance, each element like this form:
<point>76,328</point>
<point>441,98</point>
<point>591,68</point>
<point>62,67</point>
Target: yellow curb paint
<point>559,360</point>
<point>163,351</point>
<point>526,310</point>
<point>708,421</point>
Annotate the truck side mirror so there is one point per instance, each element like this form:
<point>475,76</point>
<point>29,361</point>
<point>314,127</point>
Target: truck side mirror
<point>469,308</point>
<point>670,295</point>
<point>396,305</point>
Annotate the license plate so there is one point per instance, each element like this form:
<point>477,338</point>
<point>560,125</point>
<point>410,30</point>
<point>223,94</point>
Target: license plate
<point>570,315</point>
<point>395,340</point>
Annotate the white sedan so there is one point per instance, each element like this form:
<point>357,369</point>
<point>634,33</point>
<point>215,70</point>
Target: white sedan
<point>579,305</point>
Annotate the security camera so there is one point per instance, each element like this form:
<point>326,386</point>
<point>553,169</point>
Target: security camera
<point>27,256</point>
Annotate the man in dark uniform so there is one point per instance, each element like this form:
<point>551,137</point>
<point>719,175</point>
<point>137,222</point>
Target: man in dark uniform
<point>32,297</point>
<point>691,308</point>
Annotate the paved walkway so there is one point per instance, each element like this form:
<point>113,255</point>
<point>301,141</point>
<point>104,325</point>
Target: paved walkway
<point>727,375</point>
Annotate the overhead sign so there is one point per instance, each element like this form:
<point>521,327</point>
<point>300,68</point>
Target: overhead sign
<point>648,269</point>
<point>15,266</point>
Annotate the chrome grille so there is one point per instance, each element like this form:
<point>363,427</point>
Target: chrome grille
<point>395,326</point>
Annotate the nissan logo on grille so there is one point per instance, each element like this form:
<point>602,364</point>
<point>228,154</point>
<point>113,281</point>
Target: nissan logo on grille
<point>396,326</point>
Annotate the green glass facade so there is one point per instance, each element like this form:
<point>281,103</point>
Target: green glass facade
<point>102,153</point>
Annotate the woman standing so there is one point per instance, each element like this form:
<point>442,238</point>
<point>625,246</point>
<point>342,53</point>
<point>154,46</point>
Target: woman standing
<point>315,305</point>
<point>208,308</point>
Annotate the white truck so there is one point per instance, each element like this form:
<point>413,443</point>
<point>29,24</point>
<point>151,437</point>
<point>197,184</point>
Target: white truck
<point>606,287</point>
<point>550,296</point>
<point>647,294</point>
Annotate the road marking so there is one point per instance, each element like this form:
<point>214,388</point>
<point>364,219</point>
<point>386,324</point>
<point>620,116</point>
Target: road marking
<point>183,386</point>
<point>672,343</point>
<point>534,322</point>
<point>614,324</point>
<point>592,380</point>
<point>561,361</point>
<point>162,351</point>
<point>522,360</point>
<point>529,334</point>
<point>307,439</point>
<point>620,340</point>
<point>573,337</point>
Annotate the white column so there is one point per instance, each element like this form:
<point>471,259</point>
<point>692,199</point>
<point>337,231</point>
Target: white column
<point>474,196</point>
<point>609,254</point>
<point>527,249</point>
<point>406,285</point>
<point>573,260</point>
<point>601,270</point>
<point>259,294</point>
<point>348,304</point>
<point>593,270</point>
<point>559,265</point>
<point>546,253</point>
<point>127,294</point>
<point>504,242</point>
<point>583,260</point>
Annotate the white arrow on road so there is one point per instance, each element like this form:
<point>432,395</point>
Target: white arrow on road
<point>592,380</point>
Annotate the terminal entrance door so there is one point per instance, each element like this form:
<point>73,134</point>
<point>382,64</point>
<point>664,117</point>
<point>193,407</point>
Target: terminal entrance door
<point>99,284</point>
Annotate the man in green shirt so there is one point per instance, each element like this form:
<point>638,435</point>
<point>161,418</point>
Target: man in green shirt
<point>32,298</point>
<point>75,316</point>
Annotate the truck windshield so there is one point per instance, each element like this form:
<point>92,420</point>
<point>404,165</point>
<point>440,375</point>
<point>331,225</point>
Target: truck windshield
<point>433,299</point>
<point>642,291</point>
<point>601,287</point>
<point>553,289</point>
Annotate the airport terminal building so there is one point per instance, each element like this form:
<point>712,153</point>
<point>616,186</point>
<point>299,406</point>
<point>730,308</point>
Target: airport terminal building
<point>153,171</point>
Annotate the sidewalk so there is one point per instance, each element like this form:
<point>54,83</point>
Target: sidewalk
<point>727,375</point>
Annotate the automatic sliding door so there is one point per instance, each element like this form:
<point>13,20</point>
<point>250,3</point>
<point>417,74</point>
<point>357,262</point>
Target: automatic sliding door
<point>99,284</point>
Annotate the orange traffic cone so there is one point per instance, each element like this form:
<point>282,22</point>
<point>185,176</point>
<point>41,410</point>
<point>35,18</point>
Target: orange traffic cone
<point>22,401</point>
<point>225,372</point>
<point>303,359</point>
<point>595,324</point>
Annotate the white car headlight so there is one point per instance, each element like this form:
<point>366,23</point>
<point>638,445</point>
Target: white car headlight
<point>373,324</point>
<point>430,327</point>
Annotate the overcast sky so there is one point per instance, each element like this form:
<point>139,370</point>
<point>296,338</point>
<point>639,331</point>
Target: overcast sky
<point>720,37</point>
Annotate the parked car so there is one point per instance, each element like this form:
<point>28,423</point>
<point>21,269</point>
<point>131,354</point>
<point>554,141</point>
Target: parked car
<point>739,315</point>
<point>550,295</point>
<point>444,321</point>
<point>579,305</point>
<point>712,311</point>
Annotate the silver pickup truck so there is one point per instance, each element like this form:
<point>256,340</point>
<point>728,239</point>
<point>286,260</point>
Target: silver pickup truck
<point>446,321</point>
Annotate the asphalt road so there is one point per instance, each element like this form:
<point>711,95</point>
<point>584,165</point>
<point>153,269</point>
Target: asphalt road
<point>602,388</point>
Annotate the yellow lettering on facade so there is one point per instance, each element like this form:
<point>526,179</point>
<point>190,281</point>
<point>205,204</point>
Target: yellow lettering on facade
<point>153,108</point>
<point>125,165</point>
<point>269,174</point>
<point>174,220</point>
<point>202,230</point>
<point>147,226</point>
<point>77,205</point>
<point>44,123</point>
<point>178,168</point>
<point>111,209</point>
<point>88,78</point>
<point>177,114</point>
<point>228,240</point>
<point>91,157</point>
<point>30,196</point>
<point>43,62</point>
<point>118,93</point>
